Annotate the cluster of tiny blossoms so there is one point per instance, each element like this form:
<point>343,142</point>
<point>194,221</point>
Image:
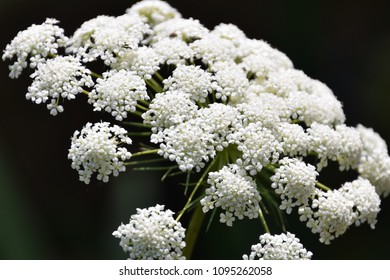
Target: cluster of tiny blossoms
<point>214,102</point>
<point>152,233</point>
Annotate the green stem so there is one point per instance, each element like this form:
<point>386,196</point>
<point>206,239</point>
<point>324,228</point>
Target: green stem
<point>147,133</point>
<point>148,152</point>
<point>193,230</point>
<point>159,77</point>
<point>195,189</point>
<point>86,92</point>
<point>137,162</point>
<point>141,107</point>
<point>137,124</point>
<point>263,222</point>
<point>154,85</point>
<point>323,187</point>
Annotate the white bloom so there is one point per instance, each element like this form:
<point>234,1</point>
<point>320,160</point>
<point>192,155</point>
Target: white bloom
<point>351,147</point>
<point>144,61</point>
<point>221,121</point>
<point>310,108</point>
<point>294,181</point>
<point>58,78</point>
<point>366,201</point>
<point>187,144</point>
<point>186,30</point>
<point>169,108</point>
<point>154,11</point>
<point>278,247</point>
<point>212,49</point>
<point>342,144</point>
<point>96,148</point>
<point>234,191</point>
<point>231,81</point>
<point>193,139</point>
<point>258,145</point>
<point>36,42</point>
<point>107,37</point>
<point>264,108</point>
<point>229,32</point>
<point>173,51</point>
<point>293,139</point>
<point>374,163</point>
<point>259,59</point>
<point>152,234</point>
<point>118,92</point>
<point>190,79</point>
<point>330,215</point>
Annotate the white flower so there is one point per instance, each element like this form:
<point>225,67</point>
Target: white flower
<point>263,108</point>
<point>234,191</point>
<point>152,234</point>
<point>107,37</point>
<point>187,144</point>
<point>258,145</point>
<point>58,78</point>
<point>169,108</point>
<point>144,61</point>
<point>259,59</point>
<point>374,163</point>
<point>294,181</point>
<point>278,247</point>
<point>330,214</point>
<point>366,201</point>
<point>154,11</point>
<point>190,79</point>
<point>293,139</point>
<point>173,51</point>
<point>36,42</point>
<point>221,121</point>
<point>186,30</point>
<point>118,92</point>
<point>342,144</point>
<point>96,148</point>
<point>229,32</point>
<point>231,81</point>
<point>212,49</point>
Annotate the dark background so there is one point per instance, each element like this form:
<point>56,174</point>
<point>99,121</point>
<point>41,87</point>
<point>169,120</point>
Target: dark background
<point>46,213</point>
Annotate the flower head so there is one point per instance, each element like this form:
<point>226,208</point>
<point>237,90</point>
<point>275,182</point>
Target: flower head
<point>152,233</point>
<point>118,92</point>
<point>35,44</point>
<point>279,247</point>
<point>295,182</point>
<point>154,11</point>
<point>234,191</point>
<point>107,37</point>
<point>96,148</point>
<point>62,77</point>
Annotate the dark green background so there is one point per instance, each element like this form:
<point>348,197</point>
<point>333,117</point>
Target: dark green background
<point>45,213</point>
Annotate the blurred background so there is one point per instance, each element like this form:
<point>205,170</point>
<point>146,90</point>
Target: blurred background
<point>46,213</point>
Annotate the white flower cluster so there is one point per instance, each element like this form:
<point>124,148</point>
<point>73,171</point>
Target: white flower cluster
<point>294,181</point>
<point>118,92</point>
<point>208,95</point>
<point>331,213</point>
<point>193,142</point>
<point>96,148</point>
<point>152,234</point>
<point>107,37</point>
<point>278,247</point>
<point>234,191</point>
<point>35,44</point>
<point>62,77</point>
<point>374,164</point>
